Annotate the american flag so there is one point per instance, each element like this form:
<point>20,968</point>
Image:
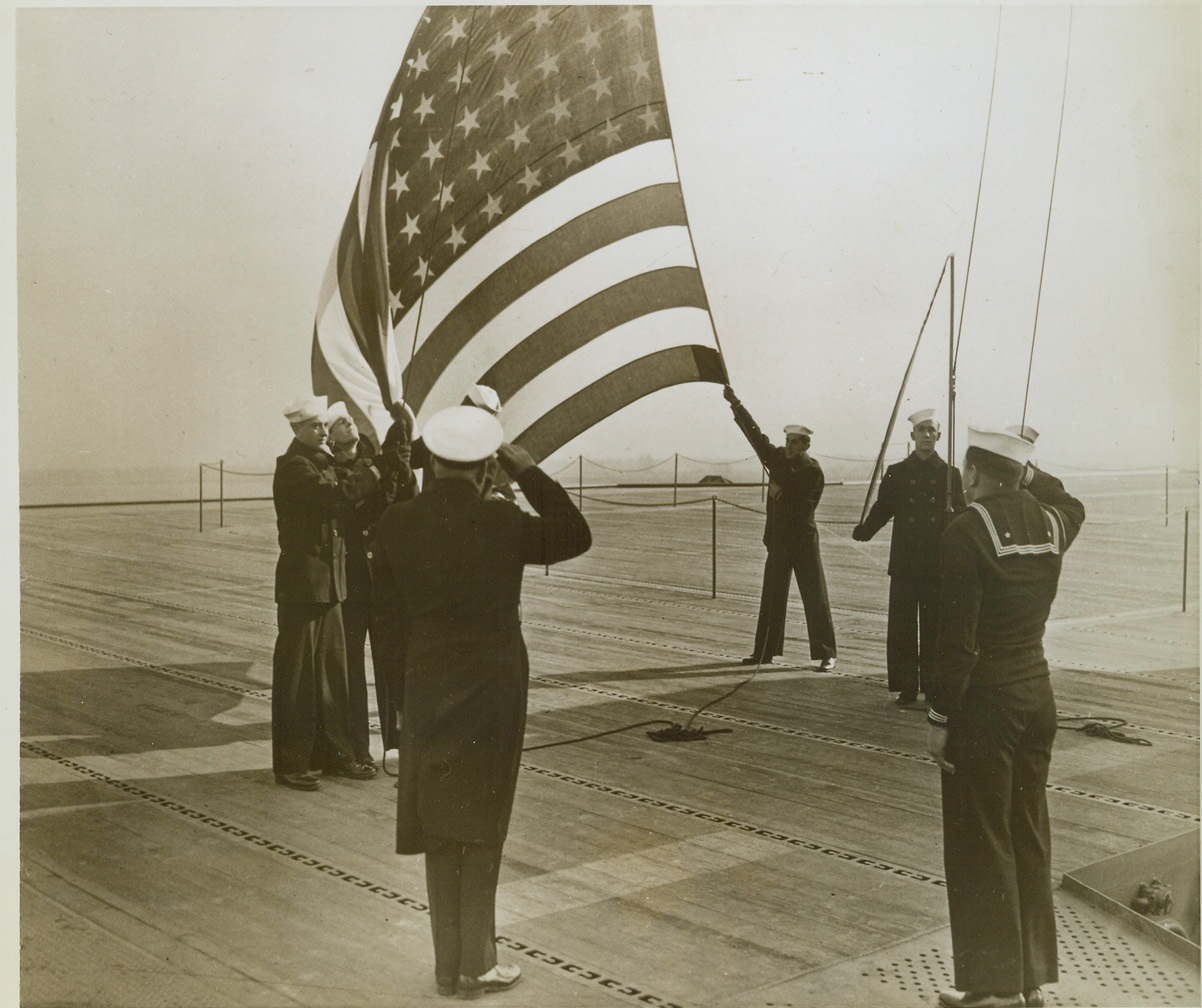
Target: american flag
<point>519,224</point>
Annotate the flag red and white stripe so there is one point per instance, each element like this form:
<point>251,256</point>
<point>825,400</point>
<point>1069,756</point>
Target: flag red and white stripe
<point>519,223</point>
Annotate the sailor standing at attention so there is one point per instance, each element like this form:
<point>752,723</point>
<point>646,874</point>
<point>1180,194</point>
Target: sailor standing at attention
<point>992,720</point>
<point>310,718</point>
<point>447,579</point>
<point>914,494</point>
<point>791,537</point>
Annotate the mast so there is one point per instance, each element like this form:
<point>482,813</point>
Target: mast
<point>951,384</point>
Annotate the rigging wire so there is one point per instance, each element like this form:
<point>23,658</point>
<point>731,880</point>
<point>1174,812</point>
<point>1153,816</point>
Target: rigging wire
<point>1048,228</point>
<point>980,185</point>
<point>880,460</point>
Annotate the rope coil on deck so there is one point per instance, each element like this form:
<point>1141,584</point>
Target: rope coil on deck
<point>1100,727</point>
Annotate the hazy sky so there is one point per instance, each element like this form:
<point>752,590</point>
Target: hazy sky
<point>182,175</point>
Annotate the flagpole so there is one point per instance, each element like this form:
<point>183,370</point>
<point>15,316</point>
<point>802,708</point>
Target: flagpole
<point>951,384</point>
<point>880,460</point>
<point>442,182</point>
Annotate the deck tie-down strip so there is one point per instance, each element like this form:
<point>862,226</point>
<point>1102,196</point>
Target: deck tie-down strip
<point>616,695</point>
<point>874,680</point>
<point>598,978</point>
<point>862,746</point>
<point>611,985</point>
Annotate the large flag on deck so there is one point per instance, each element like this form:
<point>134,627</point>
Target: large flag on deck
<point>519,224</point>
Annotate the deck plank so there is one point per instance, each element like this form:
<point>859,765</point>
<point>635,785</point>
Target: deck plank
<point>805,834</point>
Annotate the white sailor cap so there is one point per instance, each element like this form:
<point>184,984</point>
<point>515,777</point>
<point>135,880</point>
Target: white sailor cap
<point>1005,443</point>
<point>1024,431</point>
<point>923,416</point>
<point>338,412</point>
<point>463,434</point>
<point>306,407</point>
<point>483,397</point>
<point>798,429</point>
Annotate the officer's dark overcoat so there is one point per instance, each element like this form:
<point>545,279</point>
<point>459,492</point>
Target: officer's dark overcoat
<point>447,577</point>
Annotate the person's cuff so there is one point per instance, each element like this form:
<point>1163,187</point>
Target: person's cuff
<point>935,719</point>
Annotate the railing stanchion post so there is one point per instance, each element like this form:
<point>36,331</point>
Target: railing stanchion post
<point>675,477</point>
<point>200,494</point>
<point>1166,496</point>
<point>221,494</point>
<point>580,485</point>
<point>1185,563</point>
<point>714,546</point>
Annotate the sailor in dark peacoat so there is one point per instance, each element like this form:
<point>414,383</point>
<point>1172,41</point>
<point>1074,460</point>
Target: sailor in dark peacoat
<point>914,494</point>
<point>791,536</point>
<point>447,576</point>
<point>309,712</point>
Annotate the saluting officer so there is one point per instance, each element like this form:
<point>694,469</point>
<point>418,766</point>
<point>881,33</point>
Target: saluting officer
<point>914,495</point>
<point>447,583</point>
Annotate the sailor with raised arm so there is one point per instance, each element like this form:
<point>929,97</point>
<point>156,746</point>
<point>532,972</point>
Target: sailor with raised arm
<point>992,719</point>
<point>791,537</point>
<point>310,722</point>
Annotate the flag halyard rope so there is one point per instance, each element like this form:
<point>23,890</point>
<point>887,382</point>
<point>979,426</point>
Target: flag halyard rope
<point>1048,227</point>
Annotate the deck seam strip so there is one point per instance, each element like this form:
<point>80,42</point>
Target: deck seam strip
<point>141,663</point>
<point>851,857</point>
<point>874,680</point>
<point>609,984</point>
<point>614,694</point>
<point>851,744</point>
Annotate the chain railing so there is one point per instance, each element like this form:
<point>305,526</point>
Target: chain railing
<point>714,499</point>
<point>222,472</point>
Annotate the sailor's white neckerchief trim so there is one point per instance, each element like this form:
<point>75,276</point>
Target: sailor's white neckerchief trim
<point>1051,519</point>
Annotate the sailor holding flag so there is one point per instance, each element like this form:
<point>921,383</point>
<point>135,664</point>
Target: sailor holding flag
<point>791,536</point>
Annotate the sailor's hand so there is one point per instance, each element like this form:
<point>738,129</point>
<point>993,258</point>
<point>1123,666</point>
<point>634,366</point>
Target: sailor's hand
<point>859,535</point>
<point>364,478</point>
<point>729,393</point>
<point>936,744</point>
<point>514,458</point>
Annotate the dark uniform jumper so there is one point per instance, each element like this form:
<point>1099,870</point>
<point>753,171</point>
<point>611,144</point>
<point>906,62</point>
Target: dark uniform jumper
<point>991,689</point>
<point>792,540</point>
<point>913,494</point>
